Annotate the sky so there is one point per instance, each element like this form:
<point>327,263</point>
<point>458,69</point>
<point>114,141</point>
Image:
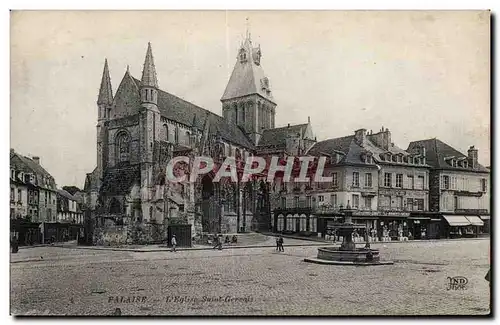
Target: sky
<point>420,74</point>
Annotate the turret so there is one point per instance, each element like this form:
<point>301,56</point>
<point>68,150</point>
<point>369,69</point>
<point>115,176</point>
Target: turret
<point>248,100</point>
<point>104,104</point>
<point>105,97</point>
<point>149,82</point>
<point>150,115</point>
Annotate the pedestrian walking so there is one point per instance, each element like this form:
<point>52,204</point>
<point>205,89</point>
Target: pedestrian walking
<point>174,243</point>
<point>216,242</point>
<point>277,243</point>
<point>280,241</point>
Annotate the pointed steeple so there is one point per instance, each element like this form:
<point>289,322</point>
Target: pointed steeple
<point>248,77</point>
<point>149,71</point>
<point>105,92</point>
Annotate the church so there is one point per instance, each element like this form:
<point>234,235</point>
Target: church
<point>141,127</point>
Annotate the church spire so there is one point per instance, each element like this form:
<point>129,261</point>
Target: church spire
<point>105,92</point>
<point>149,71</point>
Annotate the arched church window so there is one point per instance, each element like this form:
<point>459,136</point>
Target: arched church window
<point>235,107</point>
<point>188,138</point>
<point>176,135</point>
<point>150,213</point>
<point>165,132</point>
<point>243,112</point>
<point>123,147</point>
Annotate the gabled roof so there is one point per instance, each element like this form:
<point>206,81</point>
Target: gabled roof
<point>27,165</point>
<point>66,194</point>
<point>184,112</point>
<point>277,137</point>
<point>332,146</point>
<point>436,151</point>
<point>351,151</point>
<point>248,77</point>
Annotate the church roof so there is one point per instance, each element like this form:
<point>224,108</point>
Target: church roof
<point>149,70</point>
<point>184,112</point>
<point>277,137</point>
<point>248,77</point>
<point>105,91</point>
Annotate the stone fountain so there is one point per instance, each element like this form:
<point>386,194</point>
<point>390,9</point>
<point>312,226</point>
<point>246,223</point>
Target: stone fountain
<point>347,253</point>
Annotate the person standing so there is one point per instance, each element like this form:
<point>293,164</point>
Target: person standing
<point>216,242</point>
<point>280,244</point>
<point>174,243</point>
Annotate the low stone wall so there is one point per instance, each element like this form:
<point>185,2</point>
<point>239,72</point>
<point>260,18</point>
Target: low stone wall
<point>129,234</point>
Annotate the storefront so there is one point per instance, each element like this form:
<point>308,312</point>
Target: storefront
<point>424,225</point>
<point>486,227</point>
<point>458,226</point>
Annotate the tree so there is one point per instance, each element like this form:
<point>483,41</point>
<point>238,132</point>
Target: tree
<point>71,189</point>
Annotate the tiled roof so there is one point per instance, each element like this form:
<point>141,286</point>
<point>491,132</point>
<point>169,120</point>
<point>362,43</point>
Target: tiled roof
<point>277,137</point>
<point>352,151</point>
<point>330,146</point>
<point>436,151</point>
<point>248,76</point>
<point>184,112</point>
<point>119,180</point>
<point>27,165</point>
<point>66,194</point>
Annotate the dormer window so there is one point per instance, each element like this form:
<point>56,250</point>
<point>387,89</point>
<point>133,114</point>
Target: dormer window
<point>466,164</point>
<point>243,56</point>
<point>264,83</point>
<point>454,163</point>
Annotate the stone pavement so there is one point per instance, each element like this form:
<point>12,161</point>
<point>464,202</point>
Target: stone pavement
<point>257,281</point>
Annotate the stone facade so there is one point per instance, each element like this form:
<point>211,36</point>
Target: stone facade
<point>458,183</point>
<point>33,190</point>
<point>141,128</point>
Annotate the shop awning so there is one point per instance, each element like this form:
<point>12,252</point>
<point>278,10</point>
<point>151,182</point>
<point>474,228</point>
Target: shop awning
<point>485,217</point>
<point>456,221</point>
<point>475,221</point>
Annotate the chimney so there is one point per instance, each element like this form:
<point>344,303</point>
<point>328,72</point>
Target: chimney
<point>288,125</point>
<point>472,152</point>
<point>36,159</point>
<point>360,136</point>
<point>308,119</point>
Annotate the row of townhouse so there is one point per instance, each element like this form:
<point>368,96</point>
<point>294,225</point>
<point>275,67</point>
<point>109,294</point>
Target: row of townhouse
<point>35,200</point>
<point>430,190</point>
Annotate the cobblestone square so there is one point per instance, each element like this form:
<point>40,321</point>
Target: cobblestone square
<point>250,281</point>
